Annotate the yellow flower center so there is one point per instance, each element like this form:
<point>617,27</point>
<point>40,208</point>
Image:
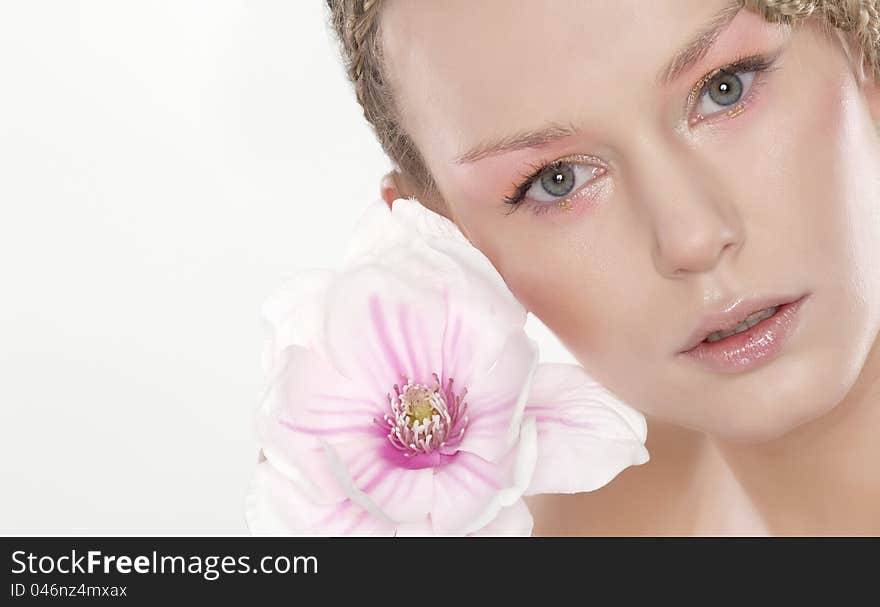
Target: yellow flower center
<point>419,405</point>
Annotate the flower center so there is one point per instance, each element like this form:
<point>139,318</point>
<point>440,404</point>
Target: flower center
<point>425,419</point>
<point>418,402</point>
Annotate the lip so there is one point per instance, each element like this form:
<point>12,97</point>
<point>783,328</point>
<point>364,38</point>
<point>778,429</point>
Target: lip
<point>745,350</point>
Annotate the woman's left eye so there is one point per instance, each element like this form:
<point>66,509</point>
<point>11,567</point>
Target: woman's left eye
<point>723,91</point>
<point>731,86</point>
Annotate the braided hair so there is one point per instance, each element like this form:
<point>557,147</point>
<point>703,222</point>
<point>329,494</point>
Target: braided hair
<point>356,23</point>
<point>854,21</point>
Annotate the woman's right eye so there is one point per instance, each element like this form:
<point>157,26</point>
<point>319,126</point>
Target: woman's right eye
<point>560,179</point>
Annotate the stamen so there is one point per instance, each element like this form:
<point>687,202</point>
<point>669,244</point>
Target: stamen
<point>421,417</point>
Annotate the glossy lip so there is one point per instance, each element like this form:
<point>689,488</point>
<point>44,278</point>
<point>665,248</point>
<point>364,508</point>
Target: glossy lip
<point>733,314</point>
<point>746,350</point>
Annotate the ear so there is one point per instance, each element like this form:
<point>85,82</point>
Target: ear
<point>396,184</point>
<point>388,188</point>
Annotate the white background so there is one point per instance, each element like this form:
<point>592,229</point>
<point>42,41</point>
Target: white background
<point>164,166</point>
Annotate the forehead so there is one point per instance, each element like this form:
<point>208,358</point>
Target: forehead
<point>469,70</point>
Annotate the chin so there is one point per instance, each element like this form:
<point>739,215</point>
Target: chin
<point>790,394</point>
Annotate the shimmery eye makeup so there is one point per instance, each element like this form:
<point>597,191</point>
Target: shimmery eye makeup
<point>755,65</point>
<point>595,166</point>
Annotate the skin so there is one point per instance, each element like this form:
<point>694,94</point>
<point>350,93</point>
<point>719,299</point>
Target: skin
<point>779,199</point>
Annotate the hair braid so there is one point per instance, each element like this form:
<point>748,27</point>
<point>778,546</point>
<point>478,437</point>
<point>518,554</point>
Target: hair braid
<point>782,10</point>
<point>857,19</point>
<point>860,19</point>
<point>356,23</point>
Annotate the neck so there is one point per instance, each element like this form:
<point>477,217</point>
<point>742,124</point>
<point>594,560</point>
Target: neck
<point>822,478</point>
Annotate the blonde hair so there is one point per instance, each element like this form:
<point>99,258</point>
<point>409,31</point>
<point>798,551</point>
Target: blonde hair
<point>856,23</point>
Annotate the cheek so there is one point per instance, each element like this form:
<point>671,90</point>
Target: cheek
<point>586,275</point>
<point>811,195</point>
<point>566,279</point>
<point>565,270</point>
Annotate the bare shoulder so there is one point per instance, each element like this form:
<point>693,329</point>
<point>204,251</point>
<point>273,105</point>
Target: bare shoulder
<point>655,498</point>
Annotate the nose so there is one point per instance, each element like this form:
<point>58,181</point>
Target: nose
<point>694,219</point>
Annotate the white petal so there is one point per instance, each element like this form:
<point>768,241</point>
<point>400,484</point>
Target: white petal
<point>442,236</point>
<point>380,228</point>
<point>276,507</point>
<point>421,528</point>
<point>515,520</point>
<point>497,398</point>
<point>294,314</point>
<point>418,218</point>
<point>584,440</point>
<point>469,492</point>
<point>374,231</point>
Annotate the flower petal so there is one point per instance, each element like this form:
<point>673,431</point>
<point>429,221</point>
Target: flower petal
<point>476,333</point>
<point>421,528</point>
<point>309,397</point>
<point>295,313</point>
<point>443,236</point>
<point>496,400</point>
<point>427,251</point>
<point>406,228</point>
<point>469,492</point>
<point>404,495</point>
<point>276,506</point>
<point>586,436</point>
<point>379,229</point>
<point>381,328</point>
<point>374,230</point>
<point>515,520</point>
<point>425,222</point>
<point>307,405</point>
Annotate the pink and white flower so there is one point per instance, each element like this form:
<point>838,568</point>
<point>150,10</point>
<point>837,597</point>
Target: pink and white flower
<point>406,398</point>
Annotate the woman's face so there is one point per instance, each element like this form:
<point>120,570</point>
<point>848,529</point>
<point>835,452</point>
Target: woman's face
<point>667,205</point>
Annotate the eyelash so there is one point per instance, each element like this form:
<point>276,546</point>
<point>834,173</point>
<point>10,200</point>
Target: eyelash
<point>760,65</point>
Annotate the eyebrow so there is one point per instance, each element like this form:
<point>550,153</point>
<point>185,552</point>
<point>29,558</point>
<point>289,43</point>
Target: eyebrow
<point>697,47</point>
<point>686,57</point>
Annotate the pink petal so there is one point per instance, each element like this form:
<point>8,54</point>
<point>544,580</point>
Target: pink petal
<point>427,253</point>
<point>586,436</point>
<point>404,495</point>
<point>307,405</point>
<point>515,520</point>
<point>311,409</point>
<point>418,243</point>
<point>477,329</point>
<point>275,506</point>
<point>380,328</point>
<point>469,492</point>
<point>307,392</point>
<point>496,400</point>
<point>450,247</point>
